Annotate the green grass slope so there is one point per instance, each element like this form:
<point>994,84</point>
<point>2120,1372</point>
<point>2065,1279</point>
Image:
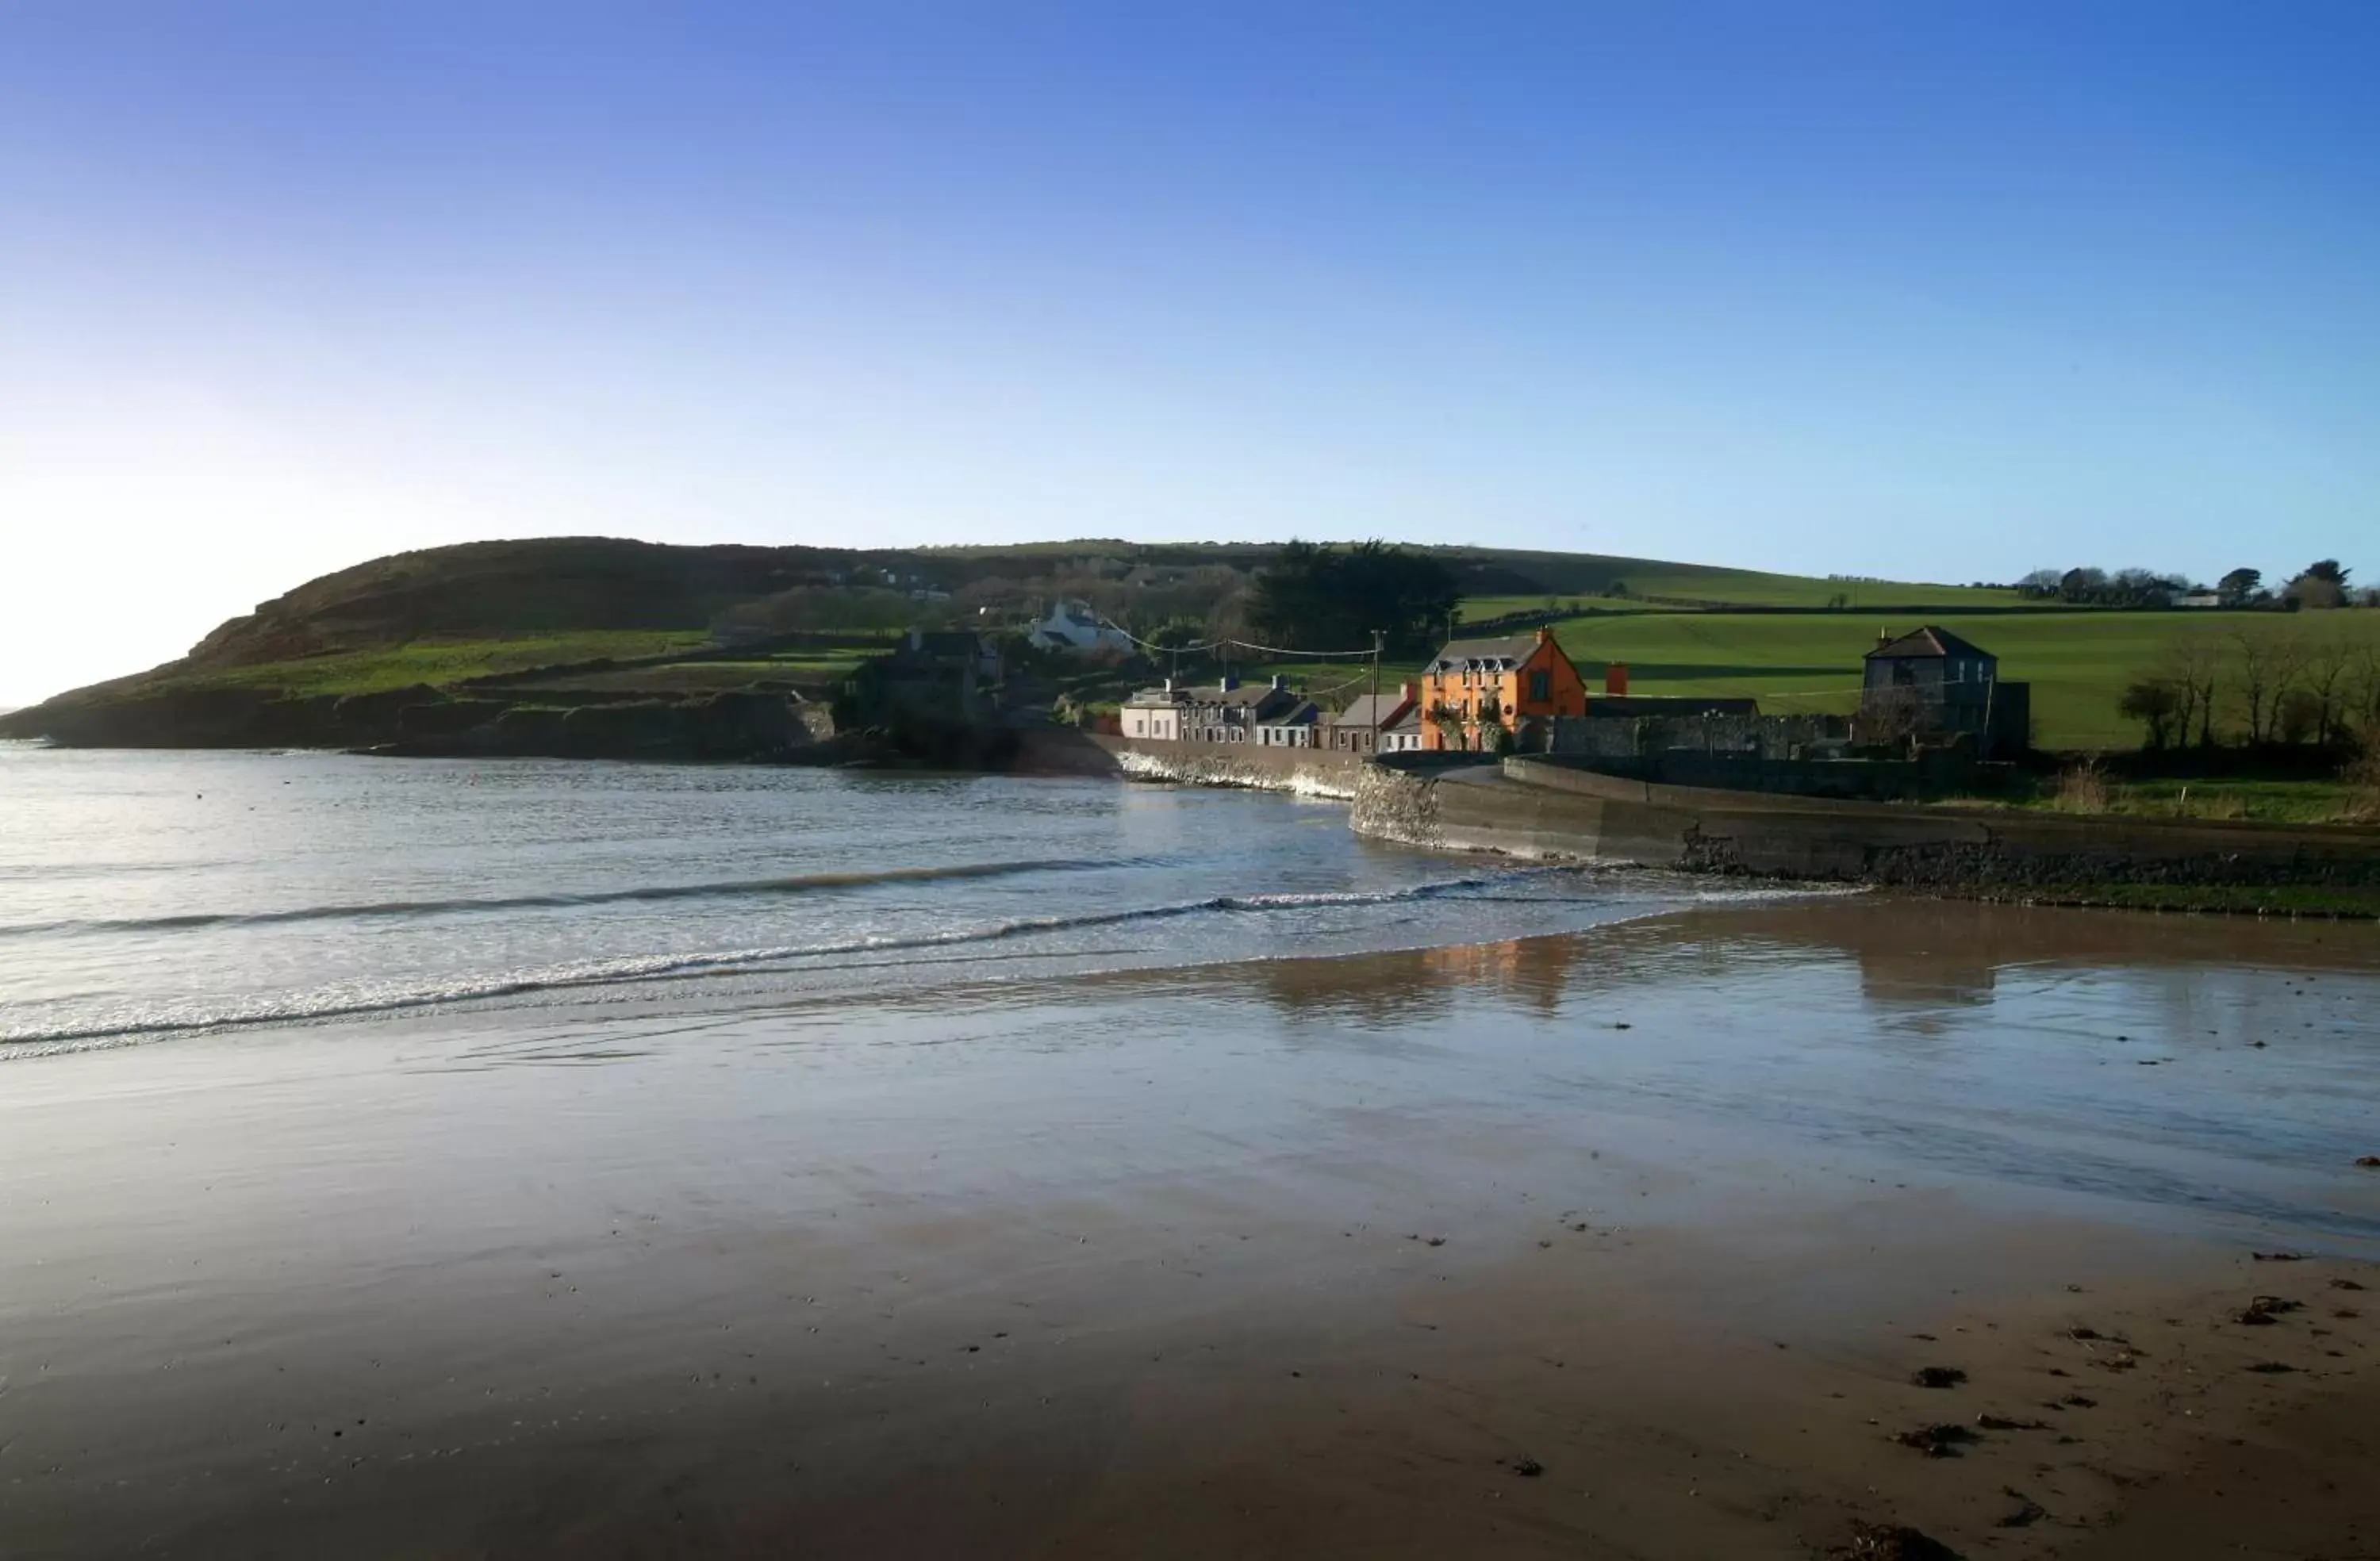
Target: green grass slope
<point>2078,661</point>
<point>1672,586</point>
<point>436,660</point>
<point>445,615</point>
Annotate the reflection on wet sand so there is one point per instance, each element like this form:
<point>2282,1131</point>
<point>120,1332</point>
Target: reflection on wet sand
<point>1909,954</point>
<point>1416,986</point>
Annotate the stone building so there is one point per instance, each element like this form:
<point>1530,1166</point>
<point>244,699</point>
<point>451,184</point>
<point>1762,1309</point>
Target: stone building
<point>1931,684</point>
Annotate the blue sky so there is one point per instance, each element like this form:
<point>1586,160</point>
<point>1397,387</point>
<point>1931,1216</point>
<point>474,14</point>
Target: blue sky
<point>1926,291</point>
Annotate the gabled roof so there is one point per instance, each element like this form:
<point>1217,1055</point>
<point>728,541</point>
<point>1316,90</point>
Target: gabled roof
<point>1149,696</point>
<point>1251,697</point>
<point>1929,641</point>
<point>1509,651</point>
<point>1368,710</point>
<point>1306,712</point>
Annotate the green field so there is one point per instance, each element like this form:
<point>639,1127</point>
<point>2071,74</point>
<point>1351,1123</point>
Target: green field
<point>2077,660</point>
<point>806,669</point>
<point>2261,802</point>
<point>435,662</point>
<point>1745,588</point>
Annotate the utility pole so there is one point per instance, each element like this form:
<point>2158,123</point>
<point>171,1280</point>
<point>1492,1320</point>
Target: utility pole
<point>1379,637</point>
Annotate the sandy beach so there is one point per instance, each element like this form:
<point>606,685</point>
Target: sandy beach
<point>1630,1242</point>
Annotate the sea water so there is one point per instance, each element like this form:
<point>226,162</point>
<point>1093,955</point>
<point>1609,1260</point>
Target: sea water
<point>149,894</point>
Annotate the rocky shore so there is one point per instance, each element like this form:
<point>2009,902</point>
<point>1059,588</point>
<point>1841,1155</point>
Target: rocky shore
<point>749,726</point>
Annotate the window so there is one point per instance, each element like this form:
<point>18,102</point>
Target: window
<point>1541,686</point>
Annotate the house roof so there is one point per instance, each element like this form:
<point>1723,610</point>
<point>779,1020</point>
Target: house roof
<point>1509,651</point>
<point>1306,712</point>
<point>1927,642</point>
<point>1245,693</point>
<point>1369,710</point>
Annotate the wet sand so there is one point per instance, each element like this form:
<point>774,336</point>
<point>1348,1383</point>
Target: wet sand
<point>1418,1254</point>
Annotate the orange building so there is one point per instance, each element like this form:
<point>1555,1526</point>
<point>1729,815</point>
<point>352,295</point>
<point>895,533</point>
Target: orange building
<point>1475,687</point>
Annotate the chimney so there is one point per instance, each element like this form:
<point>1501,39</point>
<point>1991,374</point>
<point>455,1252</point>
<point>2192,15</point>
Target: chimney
<point>1279,682</point>
<point>1168,688</point>
<point>1883,638</point>
<point>1544,634</point>
<point>1225,684</point>
<point>1411,691</point>
<point>1615,680</point>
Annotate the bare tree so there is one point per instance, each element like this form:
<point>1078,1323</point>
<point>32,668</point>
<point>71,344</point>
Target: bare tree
<point>2328,682</point>
<point>2291,648</point>
<point>2193,664</point>
<point>2364,709</point>
<point>1887,716</point>
<point>2264,664</point>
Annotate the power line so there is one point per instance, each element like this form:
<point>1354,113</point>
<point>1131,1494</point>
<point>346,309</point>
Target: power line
<point>1363,654</point>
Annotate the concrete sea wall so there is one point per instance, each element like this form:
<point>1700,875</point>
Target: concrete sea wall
<point>1530,808</point>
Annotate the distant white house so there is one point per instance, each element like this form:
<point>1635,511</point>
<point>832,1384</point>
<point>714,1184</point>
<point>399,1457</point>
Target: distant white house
<point>1223,711</point>
<point>1072,626</point>
<point>1155,713</point>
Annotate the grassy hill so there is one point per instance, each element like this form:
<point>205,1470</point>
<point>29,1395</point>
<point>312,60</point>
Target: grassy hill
<point>444,614</point>
<point>447,615</point>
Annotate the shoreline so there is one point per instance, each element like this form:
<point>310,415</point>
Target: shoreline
<point>1530,810</point>
<point>1510,1250</point>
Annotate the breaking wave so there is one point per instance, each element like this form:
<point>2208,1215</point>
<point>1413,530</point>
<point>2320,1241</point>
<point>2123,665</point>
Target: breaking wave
<point>363,1000</point>
<point>801,884</point>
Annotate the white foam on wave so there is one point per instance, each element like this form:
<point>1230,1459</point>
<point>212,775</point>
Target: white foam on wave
<point>168,1022</point>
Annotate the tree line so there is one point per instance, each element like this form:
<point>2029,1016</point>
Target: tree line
<point>2259,684</point>
<point>2322,583</point>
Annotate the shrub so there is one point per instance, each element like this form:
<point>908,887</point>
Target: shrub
<point>2082,789</point>
<point>2156,703</point>
<point>2363,777</point>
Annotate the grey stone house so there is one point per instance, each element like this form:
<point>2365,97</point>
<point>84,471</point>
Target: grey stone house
<point>1931,684</point>
<point>934,673</point>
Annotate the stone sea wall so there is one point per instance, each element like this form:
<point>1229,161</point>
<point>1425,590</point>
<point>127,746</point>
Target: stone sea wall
<point>1314,773</point>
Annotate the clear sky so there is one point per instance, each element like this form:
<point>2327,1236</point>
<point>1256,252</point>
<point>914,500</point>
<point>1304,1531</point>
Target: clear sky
<point>1925,290</point>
